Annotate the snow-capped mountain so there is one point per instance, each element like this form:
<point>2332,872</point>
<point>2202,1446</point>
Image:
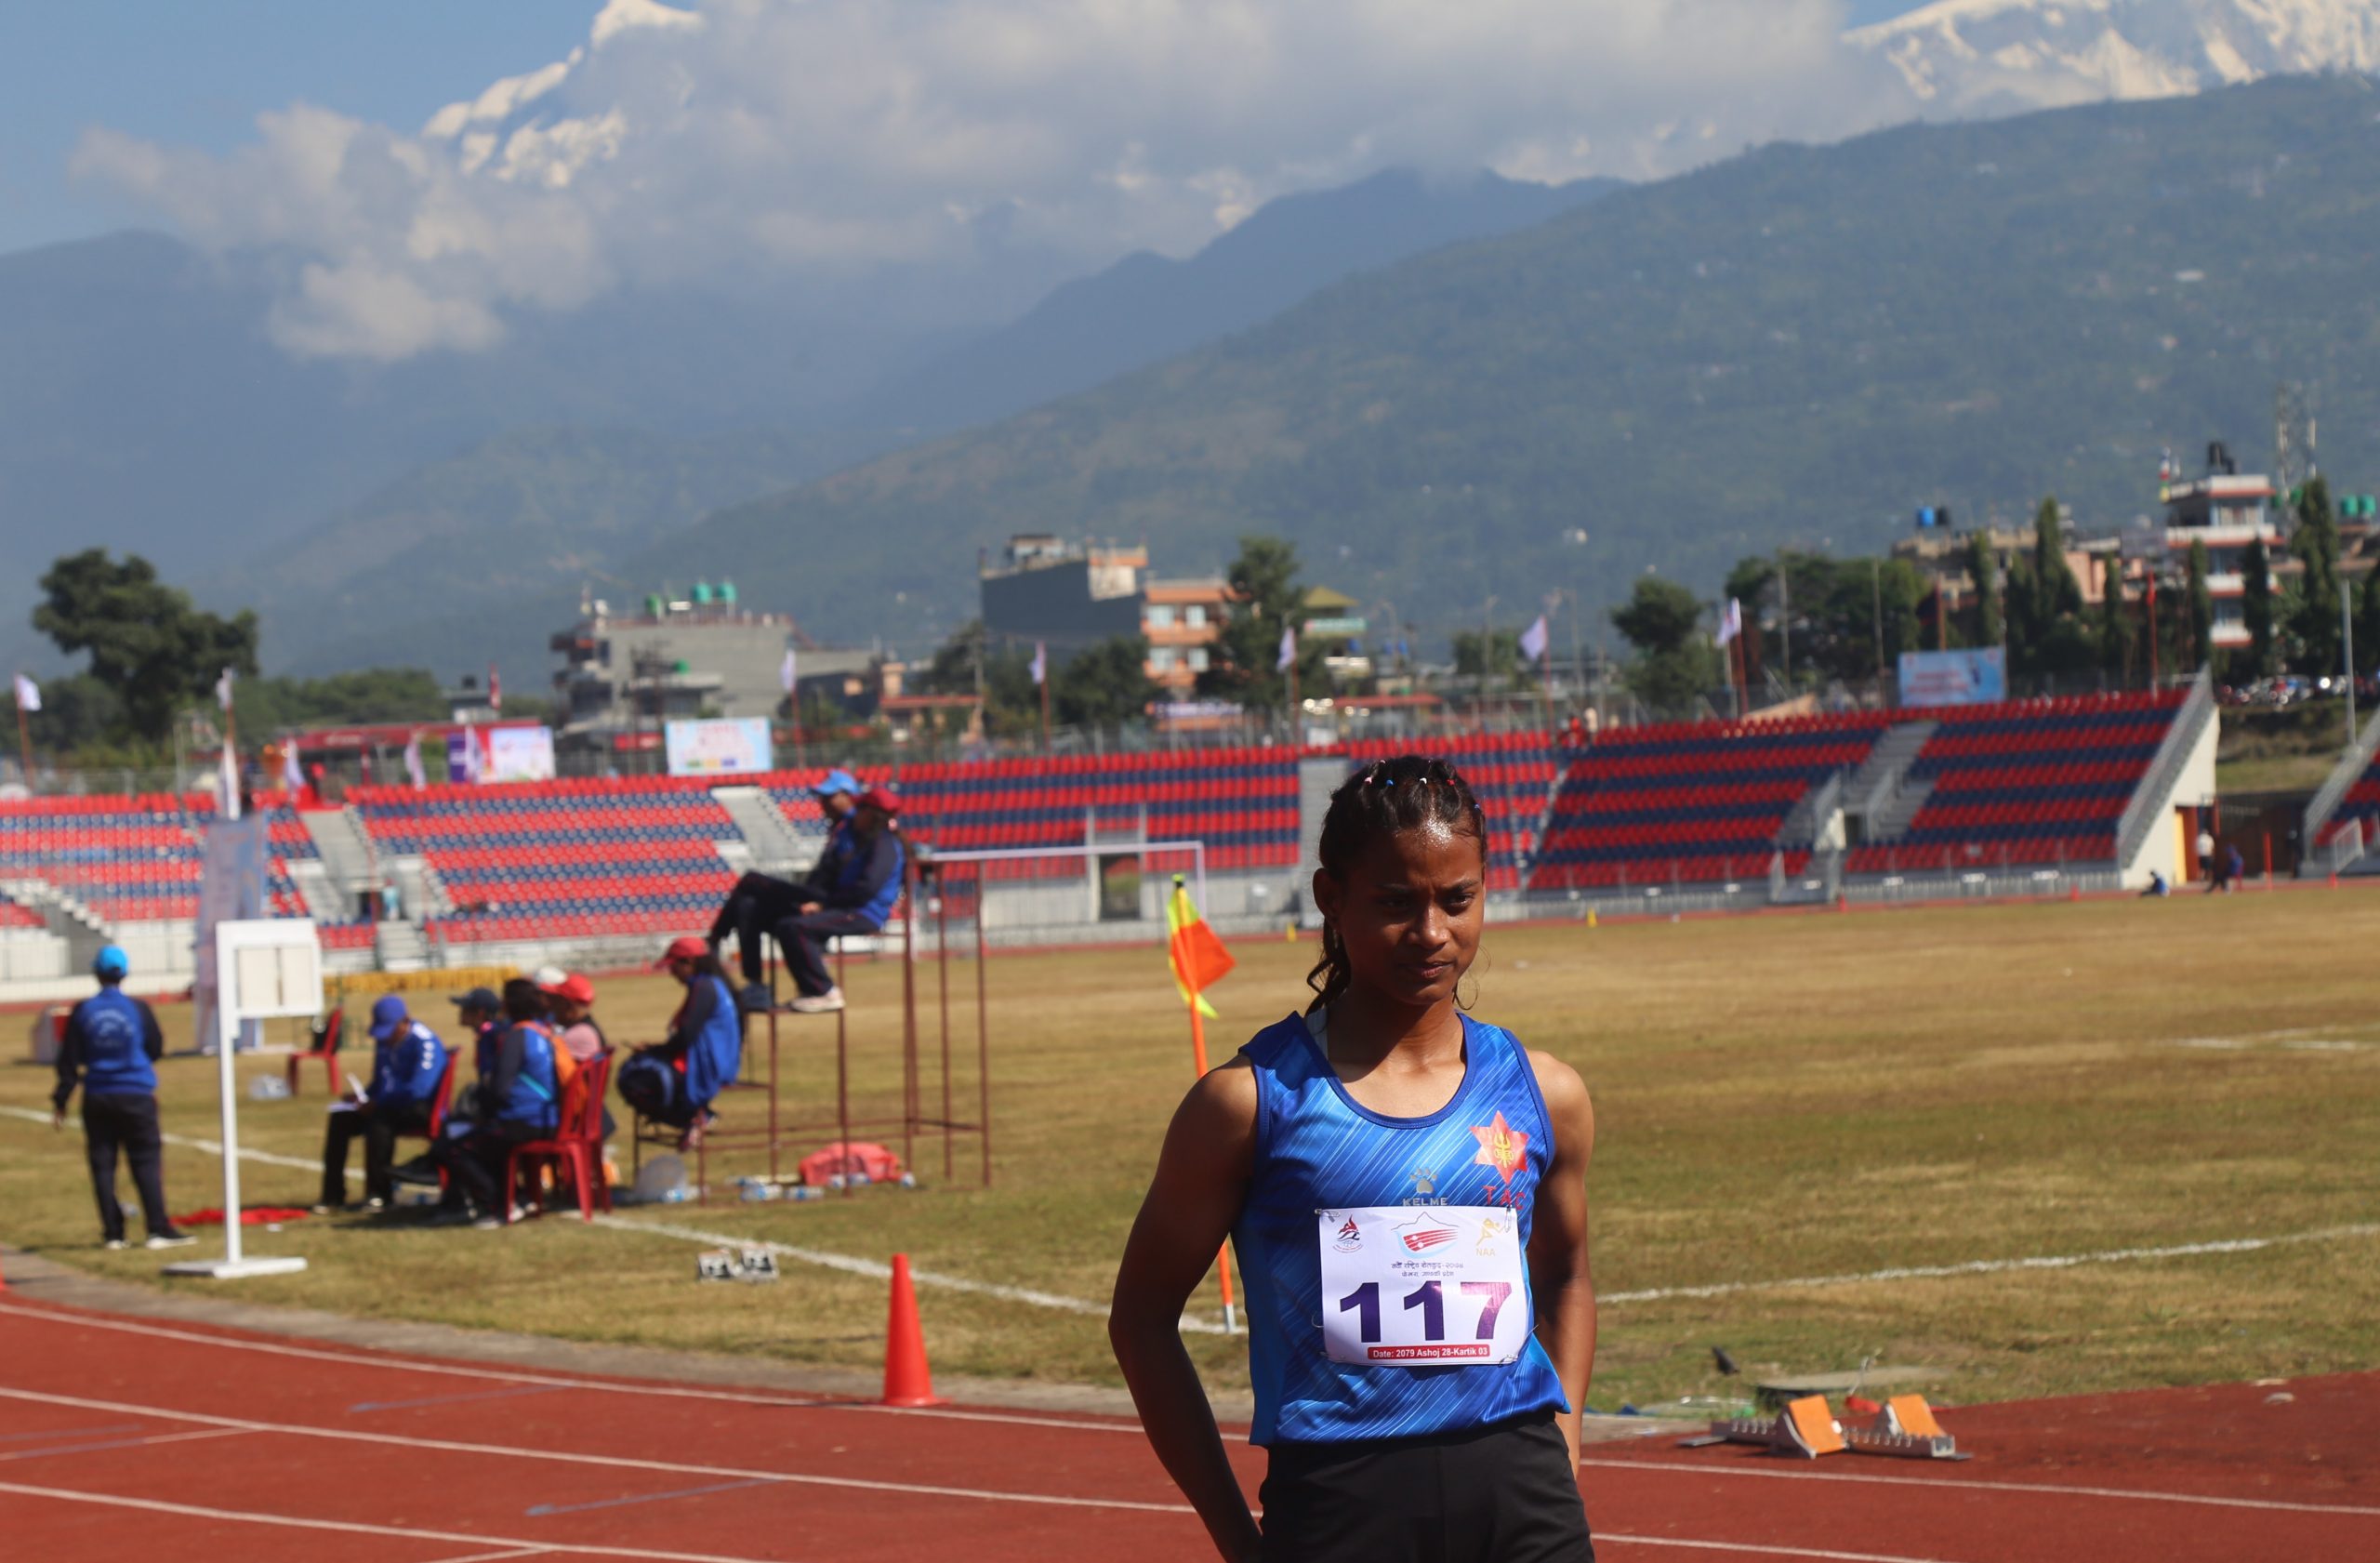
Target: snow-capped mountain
<point>2005,55</point>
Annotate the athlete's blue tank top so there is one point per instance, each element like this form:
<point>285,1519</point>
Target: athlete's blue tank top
<point>1316,1150</point>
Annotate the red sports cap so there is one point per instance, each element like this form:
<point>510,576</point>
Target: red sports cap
<point>689,947</point>
<point>881,800</point>
<point>574,987</point>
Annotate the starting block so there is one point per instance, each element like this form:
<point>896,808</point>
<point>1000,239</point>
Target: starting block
<point>751,1265</point>
<point>1805,1429</point>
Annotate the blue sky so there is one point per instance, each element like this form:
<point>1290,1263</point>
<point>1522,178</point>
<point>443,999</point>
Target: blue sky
<point>196,75</point>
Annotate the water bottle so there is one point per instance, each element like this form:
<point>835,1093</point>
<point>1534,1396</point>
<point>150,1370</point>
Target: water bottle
<point>803,1191</point>
<point>909,1180</point>
<point>679,1195</point>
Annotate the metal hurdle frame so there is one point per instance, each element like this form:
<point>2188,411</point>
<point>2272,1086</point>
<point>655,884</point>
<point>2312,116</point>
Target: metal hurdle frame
<point>928,869</point>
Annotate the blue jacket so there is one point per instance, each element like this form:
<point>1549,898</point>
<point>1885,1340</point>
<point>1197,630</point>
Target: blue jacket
<point>856,875</point>
<point>111,1041</point>
<point>524,1092</point>
<point>405,1067</point>
<point>710,1033</point>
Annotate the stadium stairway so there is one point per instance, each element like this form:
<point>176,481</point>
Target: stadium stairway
<point>1881,791</point>
<point>774,847</point>
<point>2342,824</point>
<point>350,868</point>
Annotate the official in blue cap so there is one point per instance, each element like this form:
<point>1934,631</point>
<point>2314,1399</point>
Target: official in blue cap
<point>408,1063</point>
<point>760,902</point>
<point>111,1049</point>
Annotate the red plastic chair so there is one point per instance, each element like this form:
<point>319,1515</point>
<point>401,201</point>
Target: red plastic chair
<point>576,1150</point>
<point>325,1048</point>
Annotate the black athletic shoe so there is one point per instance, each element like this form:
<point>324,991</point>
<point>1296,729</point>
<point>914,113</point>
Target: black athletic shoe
<point>170,1238</point>
<point>755,998</point>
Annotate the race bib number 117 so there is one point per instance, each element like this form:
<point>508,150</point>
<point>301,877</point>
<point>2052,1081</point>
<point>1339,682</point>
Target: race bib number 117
<point>1418,1286</point>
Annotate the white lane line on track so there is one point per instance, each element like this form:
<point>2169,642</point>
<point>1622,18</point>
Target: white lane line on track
<point>1997,1266</point>
<point>212,1148</point>
<point>499,1557</point>
<point>608,1462</point>
<point>1763,1549</point>
<point>54,1451</point>
<point>517,1546</point>
<point>1955,1484</point>
<point>392,1364</point>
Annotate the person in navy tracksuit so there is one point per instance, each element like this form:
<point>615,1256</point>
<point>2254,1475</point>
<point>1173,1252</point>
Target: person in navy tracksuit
<point>519,1099</point>
<point>111,1045</point>
<point>407,1063</point>
<point>852,890</point>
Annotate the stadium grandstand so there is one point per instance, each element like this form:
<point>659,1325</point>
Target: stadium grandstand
<point>2094,792</point>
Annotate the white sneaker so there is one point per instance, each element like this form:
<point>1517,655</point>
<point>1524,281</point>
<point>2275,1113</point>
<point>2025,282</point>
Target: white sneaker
<point>114,1245</point>
<point>823,1003</point>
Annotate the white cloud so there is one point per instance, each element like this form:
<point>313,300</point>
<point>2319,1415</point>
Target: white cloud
<point>817,141</point>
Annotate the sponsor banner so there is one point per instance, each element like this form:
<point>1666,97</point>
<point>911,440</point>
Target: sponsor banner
<point>506,754</point>
<point>734,746</point>
<point>1953,678</point>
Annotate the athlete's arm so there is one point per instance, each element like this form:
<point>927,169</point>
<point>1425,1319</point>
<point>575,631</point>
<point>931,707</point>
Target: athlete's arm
<point>1558,1275</point>
<point>1201,1178</point>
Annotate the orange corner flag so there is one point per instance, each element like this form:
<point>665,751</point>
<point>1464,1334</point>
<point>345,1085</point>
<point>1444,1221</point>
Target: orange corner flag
<point>1198,957</point>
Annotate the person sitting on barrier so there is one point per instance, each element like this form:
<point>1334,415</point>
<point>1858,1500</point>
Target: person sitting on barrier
<point>111,1049</point>
<point>759,901</point>
<point>570,998</point>
<point>675,1080</point>
<point>519,1099</point>
<point>407,1060</point>
<point>851,891</point>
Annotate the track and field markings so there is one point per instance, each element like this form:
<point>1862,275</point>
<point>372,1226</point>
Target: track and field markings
<point>514,1546</point>
<point>70,1432</point>
<point>55,1450</point>
<point>212,1148</point>
<point>607,1461</point>
<point>1997,1266</point>
<point>362,1406</point>
<point>1763,1549</point>
<point>1957,1484</point>
<point>539,1511</point>
<point>501,1556</point>
<point>388,1363</point>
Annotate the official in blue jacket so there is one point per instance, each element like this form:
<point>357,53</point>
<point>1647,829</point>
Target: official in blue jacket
<point>407,1063</point>
<point>111,1045</point>
<point>675,1080</point>
<point>852,890</point>
<point>518,1100</point>
<point>759,901</point>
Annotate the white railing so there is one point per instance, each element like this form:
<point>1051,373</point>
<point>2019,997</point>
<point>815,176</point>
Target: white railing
<point>2350,768</point>
<point>2156,783</point>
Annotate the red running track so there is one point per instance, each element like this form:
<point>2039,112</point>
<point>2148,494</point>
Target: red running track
<point>133,1438</point>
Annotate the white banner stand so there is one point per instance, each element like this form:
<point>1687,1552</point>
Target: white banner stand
<point>265,968</point>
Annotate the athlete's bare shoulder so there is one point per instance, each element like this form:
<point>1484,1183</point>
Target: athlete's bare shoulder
<point>1566,1101</point>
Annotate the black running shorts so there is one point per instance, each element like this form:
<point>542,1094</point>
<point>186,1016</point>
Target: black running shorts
<point>1505,1493</point>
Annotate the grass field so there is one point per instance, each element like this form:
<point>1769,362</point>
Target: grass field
<point>1778,1097</point>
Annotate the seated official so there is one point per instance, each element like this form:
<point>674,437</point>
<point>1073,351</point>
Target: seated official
<point>569,1002</point>
<point>851,891</point>
<point>676,1080</point>
<point>759,901</point>
<point>518,1100</point>
<point>407,1063</point>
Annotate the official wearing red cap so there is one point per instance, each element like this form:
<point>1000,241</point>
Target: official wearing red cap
<point>851,891</point>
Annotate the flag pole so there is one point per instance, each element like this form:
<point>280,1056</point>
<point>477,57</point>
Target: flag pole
<point>24,739</point>
<point>1189,972</point>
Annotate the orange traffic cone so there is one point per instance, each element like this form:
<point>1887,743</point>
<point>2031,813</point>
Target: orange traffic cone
<point>907,1380</point>
<point>2074,891</point>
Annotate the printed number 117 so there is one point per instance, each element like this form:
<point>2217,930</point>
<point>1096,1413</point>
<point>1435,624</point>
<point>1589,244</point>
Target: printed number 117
<point>1430,1297</point>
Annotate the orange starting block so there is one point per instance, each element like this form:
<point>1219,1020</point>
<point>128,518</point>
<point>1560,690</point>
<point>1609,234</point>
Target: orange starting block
<point>1805,1429</point>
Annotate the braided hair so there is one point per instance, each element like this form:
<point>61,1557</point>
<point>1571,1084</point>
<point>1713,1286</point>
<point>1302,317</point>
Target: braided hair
<point>1385,798</point>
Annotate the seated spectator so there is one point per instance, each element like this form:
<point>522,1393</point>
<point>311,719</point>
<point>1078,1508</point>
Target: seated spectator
<point>676,1080</point>
<point>759,901</point>
<point>851,891</point>
<point>518,1100</point>
<point>407,1062</point>
<point>570,999</point>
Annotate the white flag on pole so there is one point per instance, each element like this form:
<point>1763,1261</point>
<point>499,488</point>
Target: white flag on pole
<point>27,693</point>
<point>1731,622</point>
<point>472,769</point>
<point>413,764</point>
<point>293,776</point>
<point>223,695</point>
<point>788,675</point>
<point>1041,663</point>
<point>1289,649</point>
<point>227,782</point>
<point>1533,640</point>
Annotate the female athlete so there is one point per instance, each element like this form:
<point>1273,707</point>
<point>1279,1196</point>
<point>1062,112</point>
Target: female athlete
<point>1406,1189</point>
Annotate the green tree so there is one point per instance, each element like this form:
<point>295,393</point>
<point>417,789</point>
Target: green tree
<point>1674,663</point>
<point>2256,607</point>
<point>1011,702</point>
<point>370,694</point>
<point>2047,637</point>
<point>2316,544</point>
<point>149,646</point>
<point>2367,625</point>
<point>78,717</point>
<point>1983,570</point>
<point>1244,664</point>
<point>1501,659</point>
<point>1103,685</point>
<point>2201,605</point>
<point>2116,637</point>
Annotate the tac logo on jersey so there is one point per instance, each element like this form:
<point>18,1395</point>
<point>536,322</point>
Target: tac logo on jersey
<point>1428,1237</point>
<point>1350,1238</point>
<point>1500,1146</point>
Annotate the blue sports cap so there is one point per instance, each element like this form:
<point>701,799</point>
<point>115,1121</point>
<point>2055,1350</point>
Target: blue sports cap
<point>388,1014</point>
<point>111,964</point>
<point>838,781</point>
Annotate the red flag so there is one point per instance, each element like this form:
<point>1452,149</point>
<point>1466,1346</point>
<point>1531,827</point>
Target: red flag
<point>495,690</point>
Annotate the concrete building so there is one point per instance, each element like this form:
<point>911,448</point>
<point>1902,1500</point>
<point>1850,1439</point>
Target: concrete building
<point>2227,509</point>
<point>625,674</point>
<point>1182,620</point>
<point>1046,591</point>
